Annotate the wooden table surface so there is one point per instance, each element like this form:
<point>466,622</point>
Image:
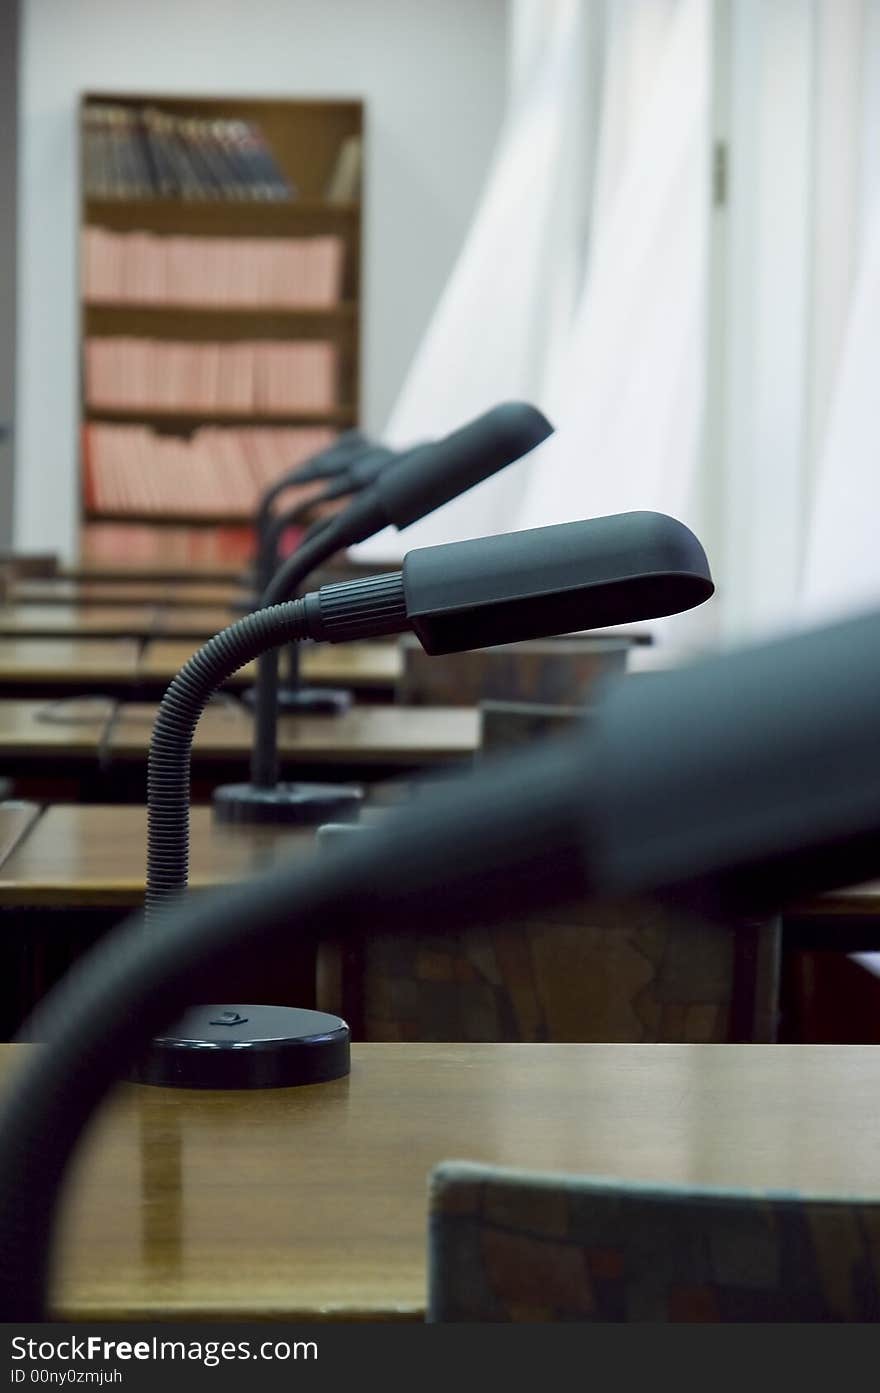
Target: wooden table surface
<point>28,727</point>
<point>95,854</point>
<point>193,622</point>
<point>64,661</point>
<point>96,568</point>
<point>64,591</point>
<point>373,664</point>
<point>16,819</point>
<point>851,900</point>
<point>80,621</point>
<point>365,734</point>
<point>311,1203</point>
<point>59,662</point>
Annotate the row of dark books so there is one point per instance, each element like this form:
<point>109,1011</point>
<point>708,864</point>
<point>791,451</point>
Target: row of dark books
<point>142,152</point>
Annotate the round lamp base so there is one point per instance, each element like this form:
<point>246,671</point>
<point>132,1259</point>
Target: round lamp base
<point>302,805</point>
<point>247,1047</point>
<point>307,701</point>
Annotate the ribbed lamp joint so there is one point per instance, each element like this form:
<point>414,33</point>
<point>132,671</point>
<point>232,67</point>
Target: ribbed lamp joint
<point>355,609</point>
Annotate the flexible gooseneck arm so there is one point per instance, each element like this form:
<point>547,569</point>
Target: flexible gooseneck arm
<point>168,762</point>
<point>325,465</point>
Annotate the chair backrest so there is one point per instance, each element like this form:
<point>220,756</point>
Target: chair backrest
<point>518,1246</point>
<point>630,972</point>
<point>553,671</point>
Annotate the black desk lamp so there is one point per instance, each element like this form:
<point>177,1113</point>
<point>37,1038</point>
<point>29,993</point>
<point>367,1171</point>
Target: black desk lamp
<point>326,465</point>
<point>748,779</point>
<point>358,473</point>
<point>404,490</point>
<point>472,594</point>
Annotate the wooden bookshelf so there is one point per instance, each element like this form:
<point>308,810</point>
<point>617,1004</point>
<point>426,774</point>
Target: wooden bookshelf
<point>189,420</point>
<point>305,138</point>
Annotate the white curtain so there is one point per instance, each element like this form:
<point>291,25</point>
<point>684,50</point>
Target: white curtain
<point>842,561</point>
<point>842,570</point>
<point>582,284</point>
<point>628,401</point>
<point>496,321</point>
<point>796,473</point>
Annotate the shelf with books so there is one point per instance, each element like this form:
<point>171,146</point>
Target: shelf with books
<point>191,248</point>
<point>203,215</point>
<point>210,323</point>
<point>181,519</point>
<point>183,421</point>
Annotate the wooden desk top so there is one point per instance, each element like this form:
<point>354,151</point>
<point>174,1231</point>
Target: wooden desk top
<point>373,664</point>
<point>194,622</point>
<point>311,1203</point>
<point>79,621</point>
<point>94,568</point>
<point>852,900</point>
<point>27,727</point>
<point>366,734</point>
<point>65,591</point>
<point>62,661</point>
<point>16,819</point>
<point>96,854</point>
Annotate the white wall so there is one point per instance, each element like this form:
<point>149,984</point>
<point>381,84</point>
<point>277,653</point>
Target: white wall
<point>433,75</point>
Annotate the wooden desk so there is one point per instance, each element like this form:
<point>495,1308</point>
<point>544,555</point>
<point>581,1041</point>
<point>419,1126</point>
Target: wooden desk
<point>63,591</point>
<point>25,732</point>
<point>95,855</point>
<point>16,819</point>
<point>92,749</point>
<point>60,758</point>
<point>34,666</point>
<point>320,1192</point>
<point>102,620</point>
<point>60,662</point>
<point>193,622</point>
<point>364,735</point>
<point>362,666</point>
<point>849,902</point>
<point>79,621</point>
<point>96,569</point>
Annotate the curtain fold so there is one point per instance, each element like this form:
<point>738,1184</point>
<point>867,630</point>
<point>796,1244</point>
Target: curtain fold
<point>628,404</point>
<point>491,331</point>
<point>581,286</point>
<point>842,570</point>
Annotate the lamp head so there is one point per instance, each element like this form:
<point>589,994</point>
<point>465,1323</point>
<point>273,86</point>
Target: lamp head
<point>425,478</point>
<point>553,580</point>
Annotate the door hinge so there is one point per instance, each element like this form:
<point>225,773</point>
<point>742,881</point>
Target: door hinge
<point>719,174</point>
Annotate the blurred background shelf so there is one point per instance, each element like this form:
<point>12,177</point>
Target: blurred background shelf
<point>185,421</point>
<point>314,148</point>
<point>209,322</point>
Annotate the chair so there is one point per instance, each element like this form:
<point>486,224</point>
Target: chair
<point>516,1246</point>
<point>631,972</point>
